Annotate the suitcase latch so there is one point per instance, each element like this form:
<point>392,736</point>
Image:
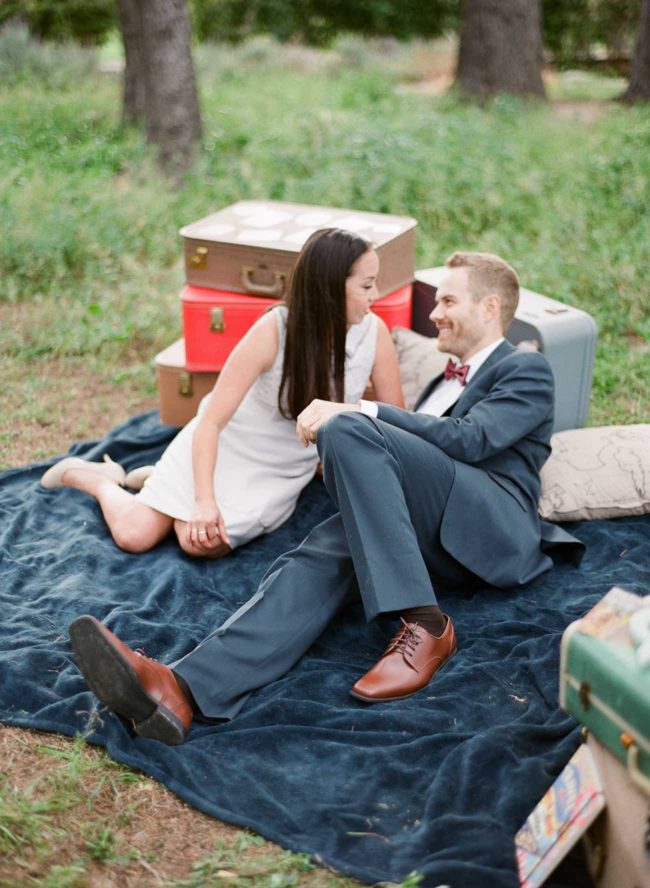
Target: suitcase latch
<point>199,258</point>
<point>185,384</point>
<point>583,693</point>
<point>217,323</point>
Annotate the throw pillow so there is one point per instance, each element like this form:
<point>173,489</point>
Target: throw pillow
<point>419,361</point>
<point>597,473</point>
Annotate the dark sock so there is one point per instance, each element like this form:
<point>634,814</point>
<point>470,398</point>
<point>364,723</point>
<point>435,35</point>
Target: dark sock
<point>430,618</point>
<point>186,692</point>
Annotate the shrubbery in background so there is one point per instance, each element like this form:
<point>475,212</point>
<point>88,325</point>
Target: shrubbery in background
<point>572,28</point>
<point>22,58</point>
<point>88,22</point>
<point>317,22</point>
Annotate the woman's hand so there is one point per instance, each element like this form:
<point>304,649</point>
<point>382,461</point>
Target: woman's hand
<point>206,528</point>
<point>313,417</point>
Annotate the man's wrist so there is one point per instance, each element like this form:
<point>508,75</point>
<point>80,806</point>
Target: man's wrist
<point>368,408</point>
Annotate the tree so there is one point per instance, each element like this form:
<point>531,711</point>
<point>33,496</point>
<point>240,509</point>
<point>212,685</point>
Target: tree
<point>500,48</point>
<point>133,87</point>
<point>639,86</point>
<point>159,81</point>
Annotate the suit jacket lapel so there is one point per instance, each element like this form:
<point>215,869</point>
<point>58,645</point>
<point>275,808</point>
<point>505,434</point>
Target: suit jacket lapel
<point>426,391</point>
<point>461,405</point>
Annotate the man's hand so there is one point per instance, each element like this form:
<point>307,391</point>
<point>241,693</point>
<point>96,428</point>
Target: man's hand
<point>206,529</point>
<point>313,417</point>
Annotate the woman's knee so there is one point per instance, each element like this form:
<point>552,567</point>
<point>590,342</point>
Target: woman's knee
<point>133,540</point>
<point>139,528</point>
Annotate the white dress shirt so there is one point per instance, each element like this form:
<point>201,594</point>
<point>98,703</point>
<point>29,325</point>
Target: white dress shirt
<point>448,391</point>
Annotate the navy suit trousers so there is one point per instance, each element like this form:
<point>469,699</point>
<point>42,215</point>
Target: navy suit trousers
<point>391,488</point>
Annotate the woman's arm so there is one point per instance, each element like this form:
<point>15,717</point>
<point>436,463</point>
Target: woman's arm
<point>385,376</point>
<point>253,355</point>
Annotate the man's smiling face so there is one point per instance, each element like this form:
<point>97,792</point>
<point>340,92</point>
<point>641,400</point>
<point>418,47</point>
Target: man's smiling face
<point>461,320</point>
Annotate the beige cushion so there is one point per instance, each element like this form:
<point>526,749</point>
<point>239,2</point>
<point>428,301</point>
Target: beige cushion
<point>597,473</point>
<point>419,361</point>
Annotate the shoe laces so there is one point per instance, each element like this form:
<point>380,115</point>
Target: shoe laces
<point>406,640</point>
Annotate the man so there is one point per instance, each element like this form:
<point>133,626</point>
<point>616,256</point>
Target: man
<point>441,498</point>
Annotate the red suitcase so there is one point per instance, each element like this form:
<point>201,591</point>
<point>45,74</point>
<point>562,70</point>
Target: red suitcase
<point>251,246</point>
<point>395,309</point>
<point>213,323</point>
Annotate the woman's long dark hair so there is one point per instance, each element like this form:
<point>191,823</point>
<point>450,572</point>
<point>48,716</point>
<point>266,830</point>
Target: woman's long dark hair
<point>314,354</point>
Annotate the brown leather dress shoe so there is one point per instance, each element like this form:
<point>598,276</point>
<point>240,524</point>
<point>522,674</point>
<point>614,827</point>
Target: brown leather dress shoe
<point>137,688</point>
<point>408,664</point>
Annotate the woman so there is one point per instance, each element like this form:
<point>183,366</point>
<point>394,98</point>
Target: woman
<point>237,469</point>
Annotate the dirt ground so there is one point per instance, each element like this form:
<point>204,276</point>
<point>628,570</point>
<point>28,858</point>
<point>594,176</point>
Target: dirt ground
<point>154,824</point>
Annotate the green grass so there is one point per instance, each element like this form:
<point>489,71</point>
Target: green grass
<point>89,230</point>
<point>33,822</point>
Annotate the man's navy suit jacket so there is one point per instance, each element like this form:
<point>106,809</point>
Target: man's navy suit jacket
<point>498,435</point>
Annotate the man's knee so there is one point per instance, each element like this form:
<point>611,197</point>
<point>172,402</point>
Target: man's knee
<point>340,429</point>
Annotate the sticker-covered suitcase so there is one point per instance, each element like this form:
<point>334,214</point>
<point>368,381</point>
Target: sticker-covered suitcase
<point>251,246</point>
<point>179,390</point>
<point>565,335</point>
<point>605,678</point>
<point>214,321</point>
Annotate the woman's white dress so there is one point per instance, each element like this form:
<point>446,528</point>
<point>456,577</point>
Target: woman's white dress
<point>261,466</point>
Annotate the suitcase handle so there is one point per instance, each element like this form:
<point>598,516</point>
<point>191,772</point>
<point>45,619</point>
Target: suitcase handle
<point>636,775</point>
<point>275,290</point>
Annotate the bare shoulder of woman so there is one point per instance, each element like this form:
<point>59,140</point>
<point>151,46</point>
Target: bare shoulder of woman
<point>259,346</point>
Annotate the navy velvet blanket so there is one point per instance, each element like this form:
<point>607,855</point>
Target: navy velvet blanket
<point>438,783</point>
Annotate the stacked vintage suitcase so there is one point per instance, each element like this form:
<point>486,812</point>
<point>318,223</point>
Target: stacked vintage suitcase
<point>237,264</point>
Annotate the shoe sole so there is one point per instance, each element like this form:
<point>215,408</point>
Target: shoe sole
<point>113,680</point>
<point>402,696</point>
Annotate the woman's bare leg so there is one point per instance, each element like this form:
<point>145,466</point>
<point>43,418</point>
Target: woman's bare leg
<point>217,551</point>
<point>134,526</point>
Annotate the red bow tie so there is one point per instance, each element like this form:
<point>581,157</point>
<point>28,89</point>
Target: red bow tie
<point>459,371</point>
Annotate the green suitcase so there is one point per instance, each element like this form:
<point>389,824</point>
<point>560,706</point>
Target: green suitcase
<point>605,678</point>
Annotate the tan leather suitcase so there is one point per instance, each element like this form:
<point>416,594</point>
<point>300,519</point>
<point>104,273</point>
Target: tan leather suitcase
<point>179,390</point>
<point>251,246</point>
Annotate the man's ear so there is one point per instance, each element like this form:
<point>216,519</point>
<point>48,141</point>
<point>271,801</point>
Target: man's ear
<point>492,306</point>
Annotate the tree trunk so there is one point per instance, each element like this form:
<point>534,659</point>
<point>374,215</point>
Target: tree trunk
<point>133,87</point>
<point>639,87</point>
<point>159,82</point>
<point>500,48</point>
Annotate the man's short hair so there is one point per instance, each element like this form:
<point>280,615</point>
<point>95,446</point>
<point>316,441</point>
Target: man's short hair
<point>487,273</point>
